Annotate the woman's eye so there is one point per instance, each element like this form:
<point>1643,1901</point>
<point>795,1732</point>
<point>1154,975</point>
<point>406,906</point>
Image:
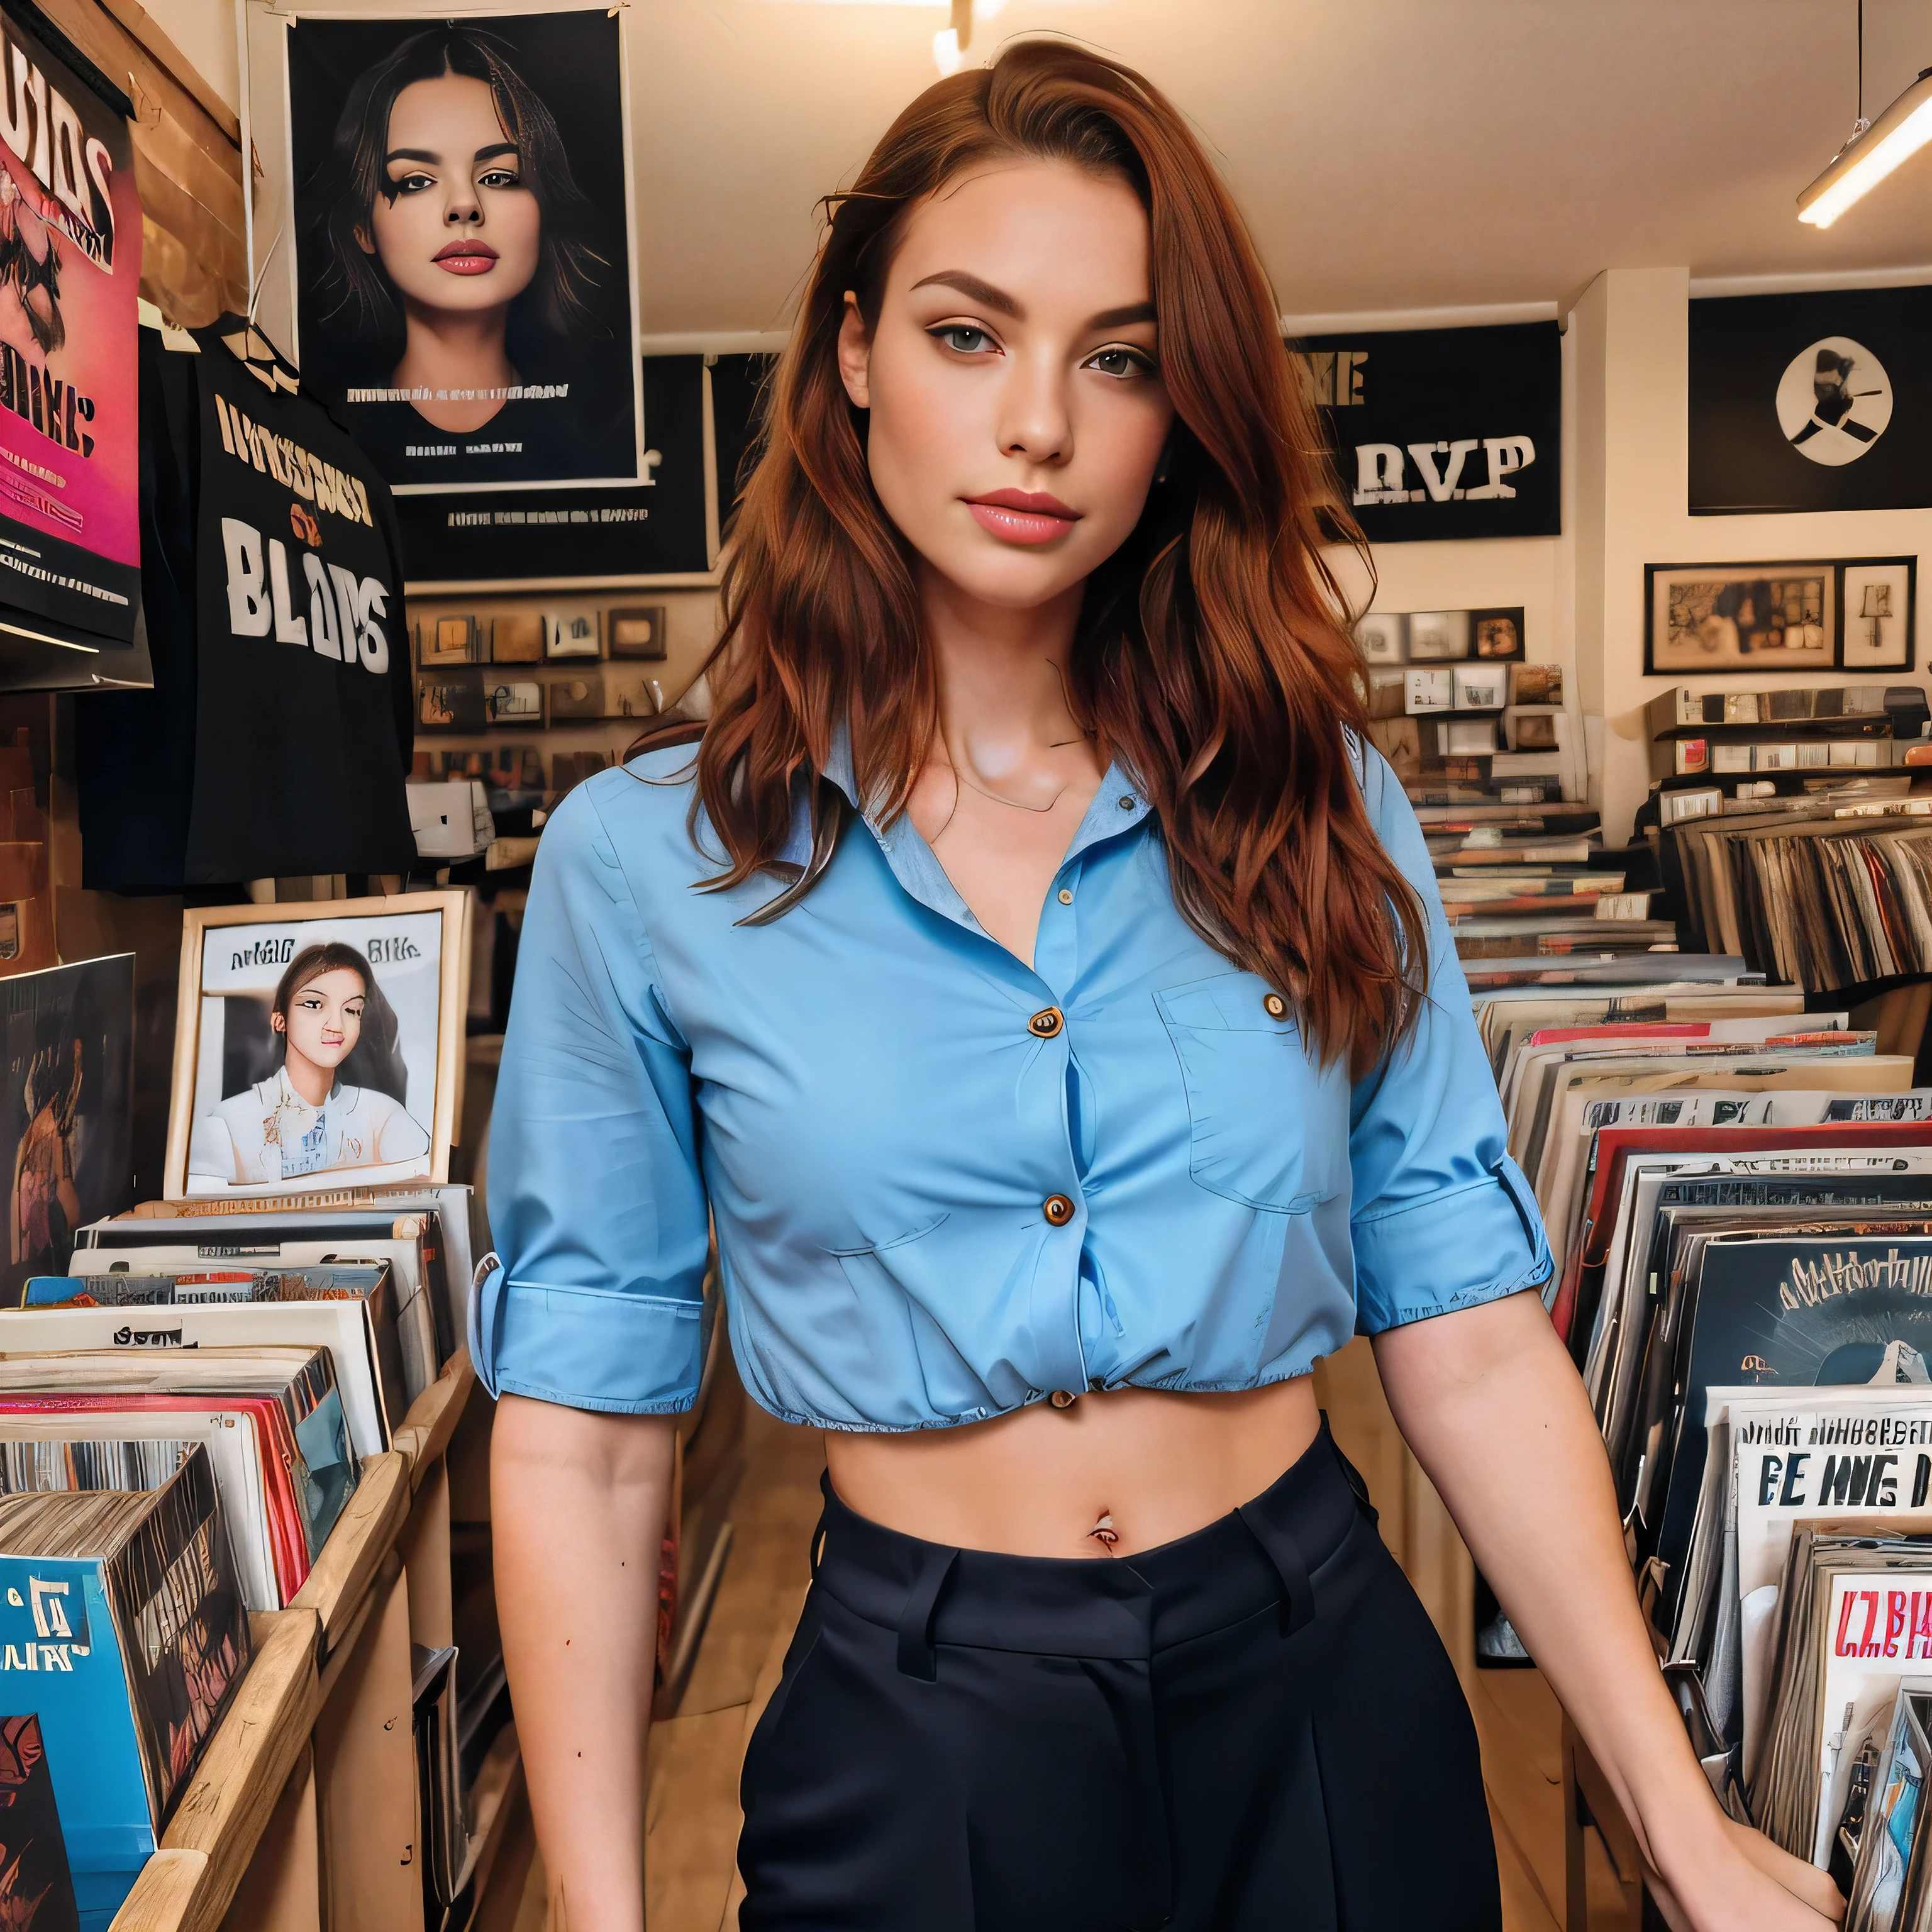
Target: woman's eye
<point>412,184</point>
<point>965,338</point>
<point>500,178</point>
<point>1120,362</point>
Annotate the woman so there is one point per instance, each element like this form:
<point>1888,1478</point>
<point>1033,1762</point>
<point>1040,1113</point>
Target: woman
<point>307,1119</point>
<point>458,252</point>
<point>1048,997</point>
<point>46,1202</point>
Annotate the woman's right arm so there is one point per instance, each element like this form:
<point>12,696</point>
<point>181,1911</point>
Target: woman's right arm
<point>579,1502</point>
<point>591,1335</point>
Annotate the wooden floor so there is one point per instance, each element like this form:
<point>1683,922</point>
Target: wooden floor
<point>692,1817</point>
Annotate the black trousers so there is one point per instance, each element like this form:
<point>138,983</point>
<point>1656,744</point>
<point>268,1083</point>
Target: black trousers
<point>1254,1726</point>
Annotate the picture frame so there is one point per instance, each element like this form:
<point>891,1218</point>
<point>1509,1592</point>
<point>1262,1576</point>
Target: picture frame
<point>517,637</point>
<point>449,641</point>
<point>1497,636</point>
<point>638,631</point>
<point>242,1122</point>
<point>1878,598</point>
<point>518,703</point>
<point>1438,636</point>
<point>1720,619</point>
<point>1382,636</point>
<point>571,634</point>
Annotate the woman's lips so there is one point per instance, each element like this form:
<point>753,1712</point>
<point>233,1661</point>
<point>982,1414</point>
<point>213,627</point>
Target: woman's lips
<point>1022,516</point>
<point>466,258</point>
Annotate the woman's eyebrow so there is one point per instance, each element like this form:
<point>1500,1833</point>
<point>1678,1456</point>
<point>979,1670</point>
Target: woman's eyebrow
<point>501,147</point>
<point>409,154</point>
<point>971,285</point>
<point>1119,318</point>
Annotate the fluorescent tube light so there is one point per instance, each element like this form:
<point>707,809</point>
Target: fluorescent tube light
<point>1895,136</point>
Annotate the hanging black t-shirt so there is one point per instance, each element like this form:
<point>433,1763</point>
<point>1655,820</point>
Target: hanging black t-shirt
<point>270,544</point>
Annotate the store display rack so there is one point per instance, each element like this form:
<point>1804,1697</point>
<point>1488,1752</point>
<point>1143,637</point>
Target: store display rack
<point>303,1810</point>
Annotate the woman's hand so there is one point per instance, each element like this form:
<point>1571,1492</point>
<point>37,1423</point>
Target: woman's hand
<point>1737,1880</point>
<point>1493,1409</point>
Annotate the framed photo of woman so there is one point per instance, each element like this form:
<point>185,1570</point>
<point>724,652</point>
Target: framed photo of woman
<point>317,1045</point>
<point>463,247</point>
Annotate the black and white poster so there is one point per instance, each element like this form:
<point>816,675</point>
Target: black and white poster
<point>1811,402</point>
<point>1444,433</point>
<point>462,228</point>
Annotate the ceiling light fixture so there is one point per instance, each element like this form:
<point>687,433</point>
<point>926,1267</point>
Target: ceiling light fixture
<point>1872,153</point>
<point>1873,149</point>
<point>949,44</point>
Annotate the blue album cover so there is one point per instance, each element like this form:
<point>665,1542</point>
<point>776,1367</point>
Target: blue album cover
<point>61,1663</point>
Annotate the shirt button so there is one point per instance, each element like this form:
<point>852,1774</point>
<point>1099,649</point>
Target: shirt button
<point>1046,1022</point>
<point>1127,804</point>
<point>1057,1209</point>
<point>1276,1007</point>
<point>1062,1398</point>
<point>1065,895</point>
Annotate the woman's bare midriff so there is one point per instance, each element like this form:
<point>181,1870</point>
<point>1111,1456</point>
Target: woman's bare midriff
<point>1111,1475</point>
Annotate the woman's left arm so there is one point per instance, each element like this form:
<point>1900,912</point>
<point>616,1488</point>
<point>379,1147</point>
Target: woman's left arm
<point>1496,1415</point>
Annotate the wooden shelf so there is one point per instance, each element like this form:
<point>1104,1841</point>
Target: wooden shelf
<point>316,1667</point>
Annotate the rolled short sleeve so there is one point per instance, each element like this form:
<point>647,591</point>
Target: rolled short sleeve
<point>595,1202</point>
<point>1442,1217</point>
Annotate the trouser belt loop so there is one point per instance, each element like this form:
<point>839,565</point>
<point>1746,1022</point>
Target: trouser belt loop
<point>917,1657</point>
<point>1297,1594</point>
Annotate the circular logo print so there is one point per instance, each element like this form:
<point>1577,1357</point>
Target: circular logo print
<point>1834,401</point>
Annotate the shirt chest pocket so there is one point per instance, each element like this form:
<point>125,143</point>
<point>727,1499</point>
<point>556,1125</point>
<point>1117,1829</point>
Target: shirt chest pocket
<point>1268,1128</point>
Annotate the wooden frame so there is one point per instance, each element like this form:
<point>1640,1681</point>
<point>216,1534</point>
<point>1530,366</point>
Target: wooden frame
<point>452,905</point>
<point>1807,593</point>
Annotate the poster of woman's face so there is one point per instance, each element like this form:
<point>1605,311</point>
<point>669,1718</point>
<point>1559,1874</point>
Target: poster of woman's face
<point>320,1052</point>
<point>465,298</point>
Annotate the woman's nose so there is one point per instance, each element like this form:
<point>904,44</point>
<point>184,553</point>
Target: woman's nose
<point>462,206</point>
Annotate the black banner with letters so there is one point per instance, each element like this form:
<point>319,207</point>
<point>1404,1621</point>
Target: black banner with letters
<point>1811,402</point>
<point>1443,434</point>
<point>614,530</point>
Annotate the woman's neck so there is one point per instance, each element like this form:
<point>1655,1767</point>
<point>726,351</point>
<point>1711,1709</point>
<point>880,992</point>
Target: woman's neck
<point>313,1083</point>
<point>1004,711</point>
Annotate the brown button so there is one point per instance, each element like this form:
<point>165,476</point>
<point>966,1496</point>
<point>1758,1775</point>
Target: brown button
<point>1057,1209</point>
<point>1276,1007</point>
<point>1065,895</point>
<point>1062,1398</point>
<point>1046,1022</point>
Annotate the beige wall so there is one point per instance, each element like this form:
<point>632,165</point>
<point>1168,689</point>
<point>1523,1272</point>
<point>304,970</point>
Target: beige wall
<point>1631,332</point>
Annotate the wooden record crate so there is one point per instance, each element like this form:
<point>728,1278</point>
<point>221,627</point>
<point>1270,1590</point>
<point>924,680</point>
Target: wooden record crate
<point>303,1811</point>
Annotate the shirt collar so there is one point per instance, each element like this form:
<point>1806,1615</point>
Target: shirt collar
<point>1117,808</point>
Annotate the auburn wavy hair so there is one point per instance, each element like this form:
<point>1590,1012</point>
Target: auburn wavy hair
<point>1211,658</point>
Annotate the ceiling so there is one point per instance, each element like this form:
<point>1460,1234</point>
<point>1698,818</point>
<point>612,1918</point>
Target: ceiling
<point>1389,153</point>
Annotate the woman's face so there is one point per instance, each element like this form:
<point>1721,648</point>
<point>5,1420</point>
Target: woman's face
<point>460,231</point>
<point>325,1017</point>
<point>1017,413</point>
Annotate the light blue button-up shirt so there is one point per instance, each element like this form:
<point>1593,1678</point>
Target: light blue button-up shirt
<point>927,1213</point>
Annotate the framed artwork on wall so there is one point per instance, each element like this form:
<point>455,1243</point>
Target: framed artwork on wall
<point>1763,618</point>
<point>1879,598</point>
<point>317,1045</point>
<point>1802,617</point>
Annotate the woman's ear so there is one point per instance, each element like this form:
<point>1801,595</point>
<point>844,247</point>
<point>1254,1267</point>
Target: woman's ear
<point>277,1023</point>
<point>855,354</point>
<point>363,240</point>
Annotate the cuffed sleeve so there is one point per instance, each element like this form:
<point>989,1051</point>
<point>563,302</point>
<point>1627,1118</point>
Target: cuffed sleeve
<point>595,1201</point>
<point>1442,1218</point>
